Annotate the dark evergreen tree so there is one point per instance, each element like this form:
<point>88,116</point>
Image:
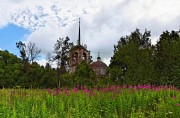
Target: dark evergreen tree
<point>167,58</point>
<point>132,62</point>
<point>84,75</point>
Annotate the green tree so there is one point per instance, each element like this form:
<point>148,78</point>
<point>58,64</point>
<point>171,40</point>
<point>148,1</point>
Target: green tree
<point>84,75</point>
<point>167,58</point>
<point>132,62</point>
<point>9,69</point>
<point>61,51</point>
<point>22,49</point>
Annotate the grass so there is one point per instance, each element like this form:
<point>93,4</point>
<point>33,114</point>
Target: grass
<point>80,102</point>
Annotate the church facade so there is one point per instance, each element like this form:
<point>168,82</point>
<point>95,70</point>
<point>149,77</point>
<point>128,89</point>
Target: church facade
<point>79,53</point>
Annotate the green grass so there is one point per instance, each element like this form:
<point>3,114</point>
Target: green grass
<point>103,103</point>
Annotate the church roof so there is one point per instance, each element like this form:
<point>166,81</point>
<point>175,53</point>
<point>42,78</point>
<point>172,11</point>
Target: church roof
<point>78,47</point>
<point>98,64</point>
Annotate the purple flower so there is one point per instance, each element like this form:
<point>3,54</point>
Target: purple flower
<point>174,97</point>
<point>49,90</point>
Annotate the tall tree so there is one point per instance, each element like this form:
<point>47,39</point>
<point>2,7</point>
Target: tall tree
<point>132,61</point>
<point>61,51</point>
<point>22,49</point>
<point>32,51</point>
<point>167,58</point>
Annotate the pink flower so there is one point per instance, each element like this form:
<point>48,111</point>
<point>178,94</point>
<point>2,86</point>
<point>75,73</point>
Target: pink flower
<point>49,90</point>
<point>174,97</point>
<point>94,93</point>
<point>89,94</point>
<point>178,104</point>
<point>54,93</point>
<point>86,91</point>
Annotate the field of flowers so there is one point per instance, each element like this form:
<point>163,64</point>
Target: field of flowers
<point>143,101</point>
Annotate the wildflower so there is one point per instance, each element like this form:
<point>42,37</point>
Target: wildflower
<point>174,97</point>
<point>94,93</point>
<point>54,93</point>
<point>49,90</point>
<point>178,104</point>
<point>95,88</point>
<point>59,92</point>
<point>89,94</point>
<point>102,89</point>
<point>86,91</point>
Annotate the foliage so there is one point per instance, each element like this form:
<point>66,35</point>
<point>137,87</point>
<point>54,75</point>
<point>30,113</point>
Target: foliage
<point>12,74</point>
<point>22,49</point>
<point>132,61</point>
<point>107,102</point>
<point>61,51</point>
<point>29,52</point>
<point>135,61</point>
<point>167,58</point>
<point>84,75</point>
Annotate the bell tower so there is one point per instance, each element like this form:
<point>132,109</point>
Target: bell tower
<point>78,53</point>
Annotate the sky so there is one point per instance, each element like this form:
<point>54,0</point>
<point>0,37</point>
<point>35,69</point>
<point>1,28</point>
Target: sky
<point>103,22</point>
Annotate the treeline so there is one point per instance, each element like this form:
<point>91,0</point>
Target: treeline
<point>135,61</point>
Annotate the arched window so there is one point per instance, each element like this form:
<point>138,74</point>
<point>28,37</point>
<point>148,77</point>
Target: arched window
<point>75,57</point>
<point>84,57</point>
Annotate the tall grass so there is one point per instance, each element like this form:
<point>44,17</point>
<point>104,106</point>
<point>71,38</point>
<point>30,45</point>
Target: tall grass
<point>80,102</point>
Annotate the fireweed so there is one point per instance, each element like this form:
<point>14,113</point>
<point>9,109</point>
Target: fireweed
<point>99,102</point>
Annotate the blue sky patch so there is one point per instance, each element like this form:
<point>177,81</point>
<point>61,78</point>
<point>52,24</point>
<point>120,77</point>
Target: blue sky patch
<point>11,34</point>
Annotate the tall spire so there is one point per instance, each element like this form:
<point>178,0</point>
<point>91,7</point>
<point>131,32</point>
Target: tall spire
<point>79,36</point>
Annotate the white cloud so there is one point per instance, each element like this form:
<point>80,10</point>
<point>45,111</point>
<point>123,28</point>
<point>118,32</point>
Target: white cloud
<point>42,62</point>
<point>45,37</point>
<point>103,22</point>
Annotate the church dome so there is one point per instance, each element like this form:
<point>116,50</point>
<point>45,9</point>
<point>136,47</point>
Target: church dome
<point>98,64</point>
<point>99,67</point>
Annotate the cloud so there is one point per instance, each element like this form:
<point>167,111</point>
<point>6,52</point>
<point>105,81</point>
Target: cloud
<point>102,22</point>
<point>42,62</point>
<point>45,37</point>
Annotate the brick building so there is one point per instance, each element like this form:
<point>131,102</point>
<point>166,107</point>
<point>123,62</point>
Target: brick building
<point>79,53</point>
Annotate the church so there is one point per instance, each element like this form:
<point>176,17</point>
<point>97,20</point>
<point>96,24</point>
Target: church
<point>80,53</point>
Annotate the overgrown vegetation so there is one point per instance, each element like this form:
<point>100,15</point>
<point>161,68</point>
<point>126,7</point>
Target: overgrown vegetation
<point>107,102</point>
<point>135,61</point>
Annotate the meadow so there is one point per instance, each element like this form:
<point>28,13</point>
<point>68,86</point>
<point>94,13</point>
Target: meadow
<point>142,101</point>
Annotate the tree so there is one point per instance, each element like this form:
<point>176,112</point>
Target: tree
<point>167,58</point>
<point>28,54</point>
<point>132,62</point>
<point>84,75</point>
<point>32,52</point>
<point>22,48</point>
<point>61,51</point>
<point>9,69</point>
